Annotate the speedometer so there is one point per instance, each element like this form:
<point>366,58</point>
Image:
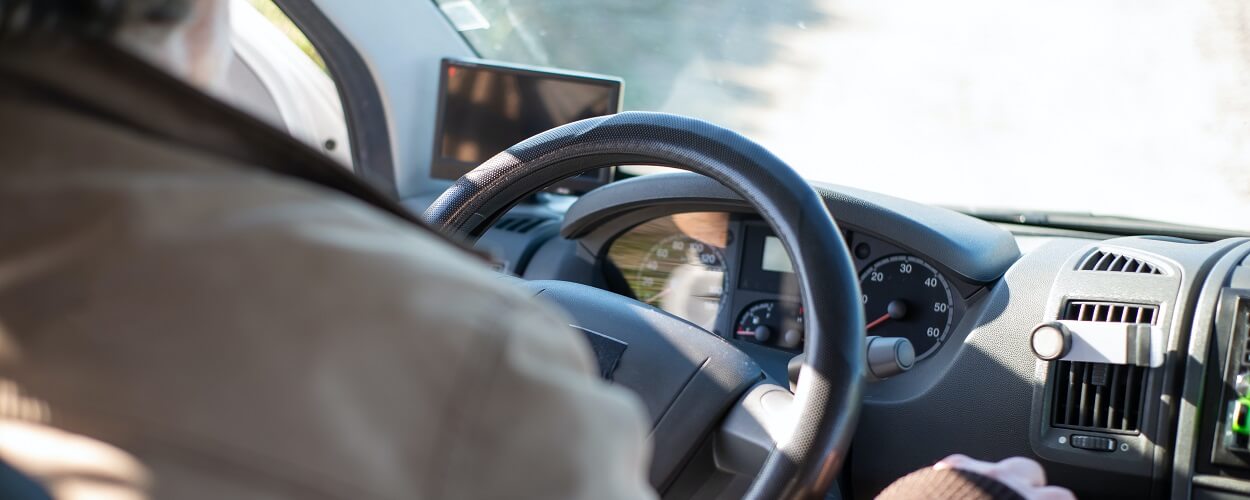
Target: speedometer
<point>906,297</point>
<point>676,263</point>
<point>683,276</point>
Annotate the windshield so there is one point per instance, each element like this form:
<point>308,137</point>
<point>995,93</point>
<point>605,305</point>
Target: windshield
<point>1138,109</point>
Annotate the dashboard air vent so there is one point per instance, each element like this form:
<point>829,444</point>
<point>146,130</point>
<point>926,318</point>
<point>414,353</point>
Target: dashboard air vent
<point>1113,262</point>
<point>1109,312</point>
<point>519,224</point>
<point>1100,396</point>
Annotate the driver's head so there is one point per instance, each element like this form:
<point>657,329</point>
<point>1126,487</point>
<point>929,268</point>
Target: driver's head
<point>189,38</point>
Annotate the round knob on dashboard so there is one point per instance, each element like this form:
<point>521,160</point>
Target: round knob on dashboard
<point>889,356</point>
<point>762,334</point>
<point>791,339</point>
<point>1050,341</point>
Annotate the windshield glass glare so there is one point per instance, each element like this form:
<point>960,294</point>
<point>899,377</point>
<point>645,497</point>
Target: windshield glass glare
<point>1138,109</point>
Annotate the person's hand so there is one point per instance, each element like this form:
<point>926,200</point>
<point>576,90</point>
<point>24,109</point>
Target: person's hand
<point>1021,474</point>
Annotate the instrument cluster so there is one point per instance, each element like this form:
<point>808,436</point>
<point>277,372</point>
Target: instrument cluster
<point>728,274</point>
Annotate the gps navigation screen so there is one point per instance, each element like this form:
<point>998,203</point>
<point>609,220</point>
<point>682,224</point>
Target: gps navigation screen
<point>486,108</point>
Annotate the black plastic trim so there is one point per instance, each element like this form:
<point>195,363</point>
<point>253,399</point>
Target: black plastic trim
<point>363,108</point>
<point>1199,410</point>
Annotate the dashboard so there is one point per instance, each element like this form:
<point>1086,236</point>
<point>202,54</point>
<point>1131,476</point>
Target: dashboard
<point>969,296</point>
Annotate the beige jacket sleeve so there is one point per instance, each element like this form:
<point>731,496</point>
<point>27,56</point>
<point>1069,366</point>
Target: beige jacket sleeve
<point>244,336</point>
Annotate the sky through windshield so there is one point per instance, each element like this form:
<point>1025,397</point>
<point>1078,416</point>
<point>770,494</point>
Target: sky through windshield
<point>1115,107</point>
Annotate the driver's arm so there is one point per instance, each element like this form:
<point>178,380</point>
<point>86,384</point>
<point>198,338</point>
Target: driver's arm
<point>959,476</point>
<point>534,420</point>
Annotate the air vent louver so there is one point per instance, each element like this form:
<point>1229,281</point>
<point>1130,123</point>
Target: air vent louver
<point>1109,312</point>
<point>519,224</point>
<point>1100,396</point>
<point>1113,262</point>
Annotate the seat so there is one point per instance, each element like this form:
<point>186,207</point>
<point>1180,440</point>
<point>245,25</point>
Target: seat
<point>17,486</point>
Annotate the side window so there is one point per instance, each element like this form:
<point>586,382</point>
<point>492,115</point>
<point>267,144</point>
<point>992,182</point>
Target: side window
<point>277,75</point>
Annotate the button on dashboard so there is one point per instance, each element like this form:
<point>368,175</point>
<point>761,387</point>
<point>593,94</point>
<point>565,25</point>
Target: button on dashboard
<point>1092,443</point>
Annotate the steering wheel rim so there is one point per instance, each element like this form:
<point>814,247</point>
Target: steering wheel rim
<point>831,382</point>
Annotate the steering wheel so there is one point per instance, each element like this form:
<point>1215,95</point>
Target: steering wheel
<point>692,381</point>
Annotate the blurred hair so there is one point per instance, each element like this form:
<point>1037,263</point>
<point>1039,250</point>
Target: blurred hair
<point>26,19</point>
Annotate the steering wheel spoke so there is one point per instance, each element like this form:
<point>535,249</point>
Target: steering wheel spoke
<point>754,426</point>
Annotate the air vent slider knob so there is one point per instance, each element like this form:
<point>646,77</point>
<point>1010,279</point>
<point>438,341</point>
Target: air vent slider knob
<point>1051,341</point>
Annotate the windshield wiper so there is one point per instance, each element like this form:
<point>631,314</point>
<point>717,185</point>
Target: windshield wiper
<point>1107,224</point>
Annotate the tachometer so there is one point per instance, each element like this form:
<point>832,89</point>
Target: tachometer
<point>904,296</point>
